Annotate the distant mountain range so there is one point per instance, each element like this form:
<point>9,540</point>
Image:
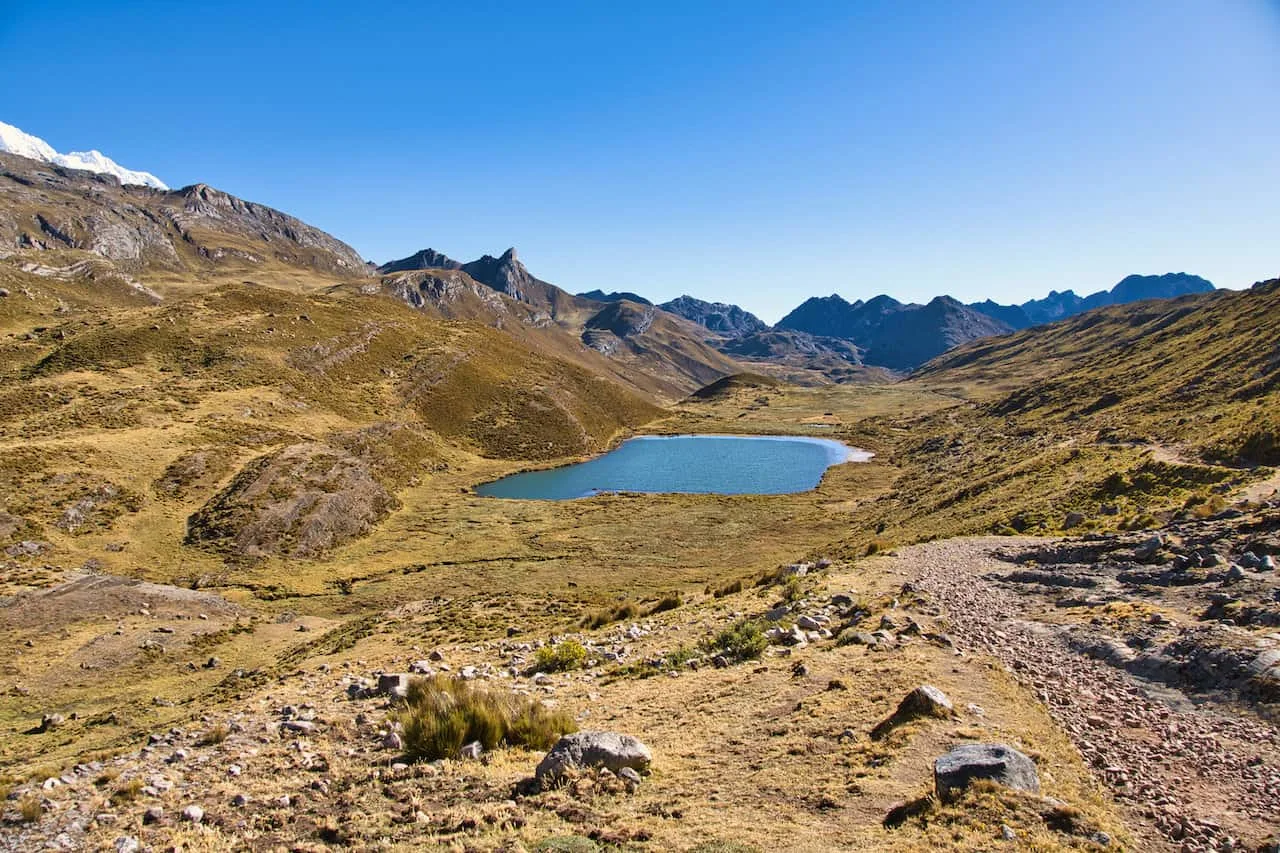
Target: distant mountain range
<point>887,333</point>
<point>1058,306</point>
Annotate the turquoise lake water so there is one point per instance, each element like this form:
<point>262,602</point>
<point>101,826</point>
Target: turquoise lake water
<point>696,464</point>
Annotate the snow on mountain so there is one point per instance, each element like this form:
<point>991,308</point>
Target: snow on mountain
<point>15,141</point>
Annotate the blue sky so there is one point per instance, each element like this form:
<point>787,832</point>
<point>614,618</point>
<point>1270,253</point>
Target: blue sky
<point>752,152</point>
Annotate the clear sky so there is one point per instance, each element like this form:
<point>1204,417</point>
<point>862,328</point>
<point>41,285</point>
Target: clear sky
<point>751,152</point>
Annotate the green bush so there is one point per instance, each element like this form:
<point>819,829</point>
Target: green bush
<point>562,657</point>
<point>744,640</point>
<point>443,714</point>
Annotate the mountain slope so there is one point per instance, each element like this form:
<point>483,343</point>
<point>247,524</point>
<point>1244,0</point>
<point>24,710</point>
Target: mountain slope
<point>1200,370</point>
<point>15,141</point>
<point>195,231</point>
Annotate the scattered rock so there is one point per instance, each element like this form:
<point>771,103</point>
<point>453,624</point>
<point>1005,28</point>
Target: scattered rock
<point>193,814</point>
<point>49,722</point>
<point>393,684</point>
<point>924,701</point>
<point>392,740</point>
<point>997,762</point>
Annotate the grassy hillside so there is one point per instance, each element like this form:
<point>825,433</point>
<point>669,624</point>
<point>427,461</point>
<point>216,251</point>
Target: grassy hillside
<point>1122,415</point>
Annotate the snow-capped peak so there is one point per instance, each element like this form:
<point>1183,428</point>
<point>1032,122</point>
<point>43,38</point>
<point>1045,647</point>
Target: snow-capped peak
<point>15,141</point>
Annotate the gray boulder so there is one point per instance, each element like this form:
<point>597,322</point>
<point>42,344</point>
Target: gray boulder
<point>594,749</point>
<point>997,762</point>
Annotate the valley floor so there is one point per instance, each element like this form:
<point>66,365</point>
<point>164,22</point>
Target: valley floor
<point>235,694</point>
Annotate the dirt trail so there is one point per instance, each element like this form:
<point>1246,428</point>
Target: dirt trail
<point>1194,777</point>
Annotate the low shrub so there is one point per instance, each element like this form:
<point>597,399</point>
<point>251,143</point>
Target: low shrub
<point>562,657</point>
<point>443,714</point>
<point>744,640</point>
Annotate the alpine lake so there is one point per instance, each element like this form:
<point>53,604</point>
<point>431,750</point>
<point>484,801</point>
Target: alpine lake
<point>686,464</point>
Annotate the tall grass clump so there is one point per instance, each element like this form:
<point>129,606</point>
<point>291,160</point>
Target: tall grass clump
<point>443,714</point>
<point>617,613</point>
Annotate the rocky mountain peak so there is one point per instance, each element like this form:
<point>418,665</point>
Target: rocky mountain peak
<point>423,259</point>
<point>504,273</point>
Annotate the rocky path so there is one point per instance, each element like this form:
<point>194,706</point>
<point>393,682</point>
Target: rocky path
<point>1197,777</point>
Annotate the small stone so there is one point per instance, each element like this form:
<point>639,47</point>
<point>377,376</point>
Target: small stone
<point>1007,833</point>
<point>239,801</point>
<point>49,722</point>
<point>392,740</point>
<point>284,801</point>
<point>193,814</point>
<point>127,844</point>
<point>305,727</point>
<point>153,815</point>
<point>630,775</point>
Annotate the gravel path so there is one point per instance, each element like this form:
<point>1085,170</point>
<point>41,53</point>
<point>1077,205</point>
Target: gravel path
<point>1203,777</point>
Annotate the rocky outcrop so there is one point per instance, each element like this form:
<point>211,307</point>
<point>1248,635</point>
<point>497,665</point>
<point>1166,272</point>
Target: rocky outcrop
<point>299,501</point>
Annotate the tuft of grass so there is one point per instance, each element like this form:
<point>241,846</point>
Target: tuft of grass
<point>600,618</point>
<point>670,602</point>
<point>442,714</point>
<point>30,808</point>
<point>562,657</point>
<point>728,589</point>
<point>743,640</point>
<point>878,546</point>
<point>214,736</point>
<point>127,792</point>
